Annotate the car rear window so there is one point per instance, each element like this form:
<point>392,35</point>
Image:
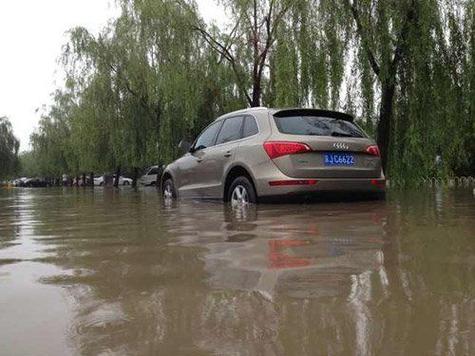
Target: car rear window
<point>317,126</point>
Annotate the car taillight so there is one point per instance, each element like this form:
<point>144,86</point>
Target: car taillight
<point>373,150</point>
<point>282,148</point>
<point>380,183</point>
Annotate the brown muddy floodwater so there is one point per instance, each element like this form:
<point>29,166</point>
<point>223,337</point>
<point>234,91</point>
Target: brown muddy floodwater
<point>106,272</point>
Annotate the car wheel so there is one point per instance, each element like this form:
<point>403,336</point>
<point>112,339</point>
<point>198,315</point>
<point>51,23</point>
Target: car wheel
<point>241,192</point>
<point>169,192</point>
<point>126,183</point>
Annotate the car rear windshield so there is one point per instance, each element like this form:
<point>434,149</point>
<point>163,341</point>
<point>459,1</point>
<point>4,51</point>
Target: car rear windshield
<point>317,126</point>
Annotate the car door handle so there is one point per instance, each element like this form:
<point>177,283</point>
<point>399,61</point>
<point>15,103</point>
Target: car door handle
<point>227,154</point>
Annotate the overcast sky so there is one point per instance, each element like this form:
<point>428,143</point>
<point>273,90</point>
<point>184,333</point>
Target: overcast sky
<point>32,33</point>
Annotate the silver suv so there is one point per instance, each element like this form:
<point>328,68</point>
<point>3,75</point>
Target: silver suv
<point>256,153</point>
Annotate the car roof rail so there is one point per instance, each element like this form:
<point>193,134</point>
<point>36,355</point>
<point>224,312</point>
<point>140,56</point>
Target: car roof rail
<point>242,111</point>
<point>309,111</point>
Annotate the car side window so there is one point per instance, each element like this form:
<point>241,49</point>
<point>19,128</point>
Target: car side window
<point>207,137</point>
<point>153,171</point>
<point>231,130</point>
<point>250,127</point>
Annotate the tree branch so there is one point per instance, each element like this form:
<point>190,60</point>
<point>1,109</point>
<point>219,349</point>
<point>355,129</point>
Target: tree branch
<point>278,18</point>
<point>398,52</point>
<point>271,32</point>
<point>126,82</point>
<point>364,39</point>
<point>216,45</point>
<point>231,37</point>
<point>141,98</point>
<point>225,52</point>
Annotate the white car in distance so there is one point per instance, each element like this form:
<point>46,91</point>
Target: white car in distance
<point>150,176</point>
<point>122,180</point>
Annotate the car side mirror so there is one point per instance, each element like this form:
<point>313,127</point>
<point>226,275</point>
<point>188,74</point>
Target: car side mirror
<point>185,146</point>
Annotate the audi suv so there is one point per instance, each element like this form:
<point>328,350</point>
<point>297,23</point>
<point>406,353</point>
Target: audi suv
<point>257,153</point>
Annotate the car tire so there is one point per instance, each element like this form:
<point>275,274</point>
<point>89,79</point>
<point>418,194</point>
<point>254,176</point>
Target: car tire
<point>168,190</point>
<point>126,183</point>
<point>241,191</point>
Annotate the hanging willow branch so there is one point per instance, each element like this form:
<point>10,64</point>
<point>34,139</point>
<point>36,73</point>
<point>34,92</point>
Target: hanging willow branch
<point>271,22</point>
<point>362,34</point>
<point>225,52</point>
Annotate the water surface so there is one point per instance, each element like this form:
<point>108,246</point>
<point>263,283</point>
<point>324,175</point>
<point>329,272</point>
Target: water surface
<point>104,271</point>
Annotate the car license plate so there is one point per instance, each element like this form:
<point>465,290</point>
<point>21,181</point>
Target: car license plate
<point>338,159</point>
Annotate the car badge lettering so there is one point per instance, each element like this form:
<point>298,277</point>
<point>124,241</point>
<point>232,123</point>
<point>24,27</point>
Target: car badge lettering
<point>341,145</point>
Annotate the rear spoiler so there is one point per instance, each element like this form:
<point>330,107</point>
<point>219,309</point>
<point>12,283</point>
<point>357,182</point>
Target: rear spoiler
<point>313,112</point>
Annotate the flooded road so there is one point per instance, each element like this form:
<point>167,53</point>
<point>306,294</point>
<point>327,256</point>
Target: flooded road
<point>93,271</point>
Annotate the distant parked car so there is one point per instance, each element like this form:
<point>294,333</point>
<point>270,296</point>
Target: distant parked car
<point>20,182</point>
<point>65,179</point>
<point>35,183</point>
<point>122,180</point>
<point>99,180</point>
<point>150,176</point>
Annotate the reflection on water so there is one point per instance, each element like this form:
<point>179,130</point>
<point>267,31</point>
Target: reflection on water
<point>120,272</point>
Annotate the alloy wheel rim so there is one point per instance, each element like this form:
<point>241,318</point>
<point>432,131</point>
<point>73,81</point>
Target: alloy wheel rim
<point>167,193</point>
<point>239,196</point>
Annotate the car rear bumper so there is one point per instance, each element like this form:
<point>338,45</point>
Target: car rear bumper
<point>306,186</point>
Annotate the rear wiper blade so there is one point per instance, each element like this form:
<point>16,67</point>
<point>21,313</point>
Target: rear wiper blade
<point>341,134</point>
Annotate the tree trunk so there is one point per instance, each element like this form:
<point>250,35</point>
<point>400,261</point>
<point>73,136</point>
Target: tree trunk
<point>91,182</point>
<point>117,176</point>
<point>84,179</point>
<point>77,181</point>
<point>385,120</point>
<point>256,83</point>
<point>134,178</point>
<point>256,92</point>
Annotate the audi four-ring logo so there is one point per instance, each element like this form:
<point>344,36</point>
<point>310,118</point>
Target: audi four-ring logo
<point>341,145</point>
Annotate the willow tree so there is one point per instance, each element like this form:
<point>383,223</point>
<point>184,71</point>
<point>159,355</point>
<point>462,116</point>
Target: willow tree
<point>382,27</point>
<point>470,88</point>
<point>51,141</point>
<point>9,146</point>
<point>173,86</point>
<point>426,100</point>
<point>158,73</point>
<point>308,62</point>
<point>114,123</point>
<point>141,85</point>
<point>247,46</point>
<point>414,60</point>
<point>173,58</point>
<point>92,73</point>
